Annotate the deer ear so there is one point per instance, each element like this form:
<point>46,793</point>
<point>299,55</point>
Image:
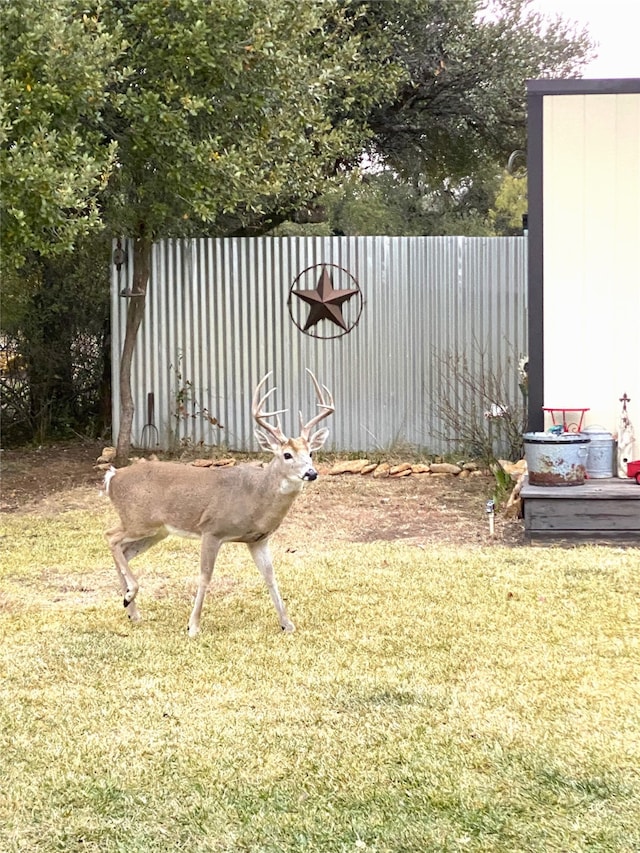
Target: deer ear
<point>318,439</point>
<point>267,442</point>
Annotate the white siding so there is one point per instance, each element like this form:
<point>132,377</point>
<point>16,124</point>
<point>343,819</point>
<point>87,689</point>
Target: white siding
<point>591,168</point>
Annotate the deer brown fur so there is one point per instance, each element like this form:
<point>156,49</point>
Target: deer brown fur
<point>238,504</point>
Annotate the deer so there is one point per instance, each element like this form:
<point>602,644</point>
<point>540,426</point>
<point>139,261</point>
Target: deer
<point>243,503</point>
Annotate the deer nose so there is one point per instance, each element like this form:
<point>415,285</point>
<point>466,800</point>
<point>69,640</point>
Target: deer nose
<point>310,474</point>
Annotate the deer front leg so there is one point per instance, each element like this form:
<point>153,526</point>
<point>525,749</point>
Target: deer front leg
<point>208,553</point>
<point>262,558</point>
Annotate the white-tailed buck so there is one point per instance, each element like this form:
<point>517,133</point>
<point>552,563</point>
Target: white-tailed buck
<point>236,504</point>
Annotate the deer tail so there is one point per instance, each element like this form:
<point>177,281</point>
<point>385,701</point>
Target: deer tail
<point>109,475</point>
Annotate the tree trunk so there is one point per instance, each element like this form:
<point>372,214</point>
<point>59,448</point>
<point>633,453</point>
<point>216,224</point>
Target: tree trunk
<point>135,313</point>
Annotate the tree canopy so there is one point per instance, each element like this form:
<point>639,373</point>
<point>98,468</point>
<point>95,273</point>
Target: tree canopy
<point>164,118</point>
<point>54,160</point>
<point>462,102</point>
<point>225,109</point>
<point>170,117</point>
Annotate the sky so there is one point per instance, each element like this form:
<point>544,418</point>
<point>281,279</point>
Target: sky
<point>615,24</point>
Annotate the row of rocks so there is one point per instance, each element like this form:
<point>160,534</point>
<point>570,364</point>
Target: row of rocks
<point>213,463</point>
<point>108,455</point>
<point>106,458</point>
<point>365,466</point>
<point>376,469</point>
<point>405,469</point>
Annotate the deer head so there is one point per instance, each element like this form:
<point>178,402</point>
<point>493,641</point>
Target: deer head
<point>292,454</point>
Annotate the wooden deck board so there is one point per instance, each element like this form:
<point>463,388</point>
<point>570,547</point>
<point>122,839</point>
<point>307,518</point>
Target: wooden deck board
<point>609,489</point>
<point>598,511</point>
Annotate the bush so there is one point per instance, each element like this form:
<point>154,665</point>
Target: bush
<point>55,346</point>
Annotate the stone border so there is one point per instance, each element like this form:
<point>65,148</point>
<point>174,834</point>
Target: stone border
<point>364,466</point>
<point>405,469</point>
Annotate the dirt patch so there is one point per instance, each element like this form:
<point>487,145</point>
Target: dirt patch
<point>31,475</point>
<point>422,508</point>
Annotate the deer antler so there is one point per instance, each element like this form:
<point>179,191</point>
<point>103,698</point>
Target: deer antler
<point>324,403</point>
<point>259,415</point>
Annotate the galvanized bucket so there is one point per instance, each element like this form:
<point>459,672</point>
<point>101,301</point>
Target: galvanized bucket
<point>556,460</point>
<point>600,459</point>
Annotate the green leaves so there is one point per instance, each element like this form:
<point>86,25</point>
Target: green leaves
<point>228,104</point>
<point>468,61</point>
<point>53,160</point>
<point>188,116</point>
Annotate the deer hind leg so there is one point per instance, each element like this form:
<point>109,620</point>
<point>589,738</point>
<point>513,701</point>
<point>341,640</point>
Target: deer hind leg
<point>122,552</point>
<point>139,546</point>
<point>208,553</point>
<point>262,558</point>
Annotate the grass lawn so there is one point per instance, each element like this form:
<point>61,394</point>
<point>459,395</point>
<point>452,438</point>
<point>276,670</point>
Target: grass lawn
<point>432,699</point>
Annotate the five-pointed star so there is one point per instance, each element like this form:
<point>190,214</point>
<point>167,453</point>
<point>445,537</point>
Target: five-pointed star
<point>325,302</point>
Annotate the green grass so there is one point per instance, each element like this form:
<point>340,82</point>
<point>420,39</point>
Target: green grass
<point>431,700</point>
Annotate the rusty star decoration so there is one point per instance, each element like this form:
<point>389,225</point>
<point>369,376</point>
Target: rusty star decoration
<point>325,302</point>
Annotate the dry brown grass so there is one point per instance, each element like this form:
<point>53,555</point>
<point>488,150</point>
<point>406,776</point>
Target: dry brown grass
<point>444,691</point>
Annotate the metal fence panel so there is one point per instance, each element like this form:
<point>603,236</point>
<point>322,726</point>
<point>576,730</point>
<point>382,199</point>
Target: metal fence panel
<point>217,320</point>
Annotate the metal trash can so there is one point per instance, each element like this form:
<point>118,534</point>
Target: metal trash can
<point>601,455</point>
<point>556,460</point>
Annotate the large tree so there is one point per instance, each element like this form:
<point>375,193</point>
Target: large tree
<point>164,118</point>
<point>459,111</point>
<point>462,103</point>
<point>224,110</point>
<point>57,68</point>
<point>54,159</point>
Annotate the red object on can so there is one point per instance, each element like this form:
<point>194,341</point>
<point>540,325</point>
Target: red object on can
<point>562,415</point>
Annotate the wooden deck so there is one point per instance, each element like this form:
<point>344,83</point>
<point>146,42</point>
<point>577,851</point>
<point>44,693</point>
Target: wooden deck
<point>599,512</point>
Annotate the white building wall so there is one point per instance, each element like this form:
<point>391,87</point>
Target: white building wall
<point>591,174</point>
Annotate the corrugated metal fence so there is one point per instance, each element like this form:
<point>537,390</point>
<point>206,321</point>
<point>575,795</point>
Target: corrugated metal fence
<point>219,315</point>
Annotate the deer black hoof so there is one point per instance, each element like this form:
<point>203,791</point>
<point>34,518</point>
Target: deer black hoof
<point>129,596</point>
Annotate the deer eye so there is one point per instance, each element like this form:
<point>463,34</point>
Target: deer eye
<point>288,455</point>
